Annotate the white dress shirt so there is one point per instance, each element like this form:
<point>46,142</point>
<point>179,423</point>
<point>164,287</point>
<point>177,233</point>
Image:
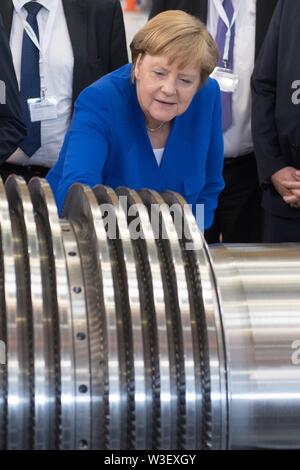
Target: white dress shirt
<point>158,153</point>
<point>237,139</point>
<point>58,69</point>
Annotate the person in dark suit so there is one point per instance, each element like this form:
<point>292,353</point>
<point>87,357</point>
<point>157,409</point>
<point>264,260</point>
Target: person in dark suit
<point>238,218</point>
<point>12,129</point>
<point>276,124</point>
<point>87,41</point>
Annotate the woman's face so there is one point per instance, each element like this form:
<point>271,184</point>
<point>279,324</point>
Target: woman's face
<point>164,91</point>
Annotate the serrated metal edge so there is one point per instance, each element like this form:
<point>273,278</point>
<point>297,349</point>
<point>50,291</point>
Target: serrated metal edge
<point>148,269</point>
<point>190,256</point>
<point>181,324</point>
<point>81,209</point>
<point>3,375</point>
<point>132,322</point>
<point>83,413</point>
<point>56,293</point>
<point>24,426</point>
<point>4,228</point>
<point>37,341</point>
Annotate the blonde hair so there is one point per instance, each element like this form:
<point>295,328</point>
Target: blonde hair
<point>181,37</point>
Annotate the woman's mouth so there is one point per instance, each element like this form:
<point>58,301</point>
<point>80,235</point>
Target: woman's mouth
<point>165,103</point>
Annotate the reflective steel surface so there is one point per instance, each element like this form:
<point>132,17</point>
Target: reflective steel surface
<point>260,307</point>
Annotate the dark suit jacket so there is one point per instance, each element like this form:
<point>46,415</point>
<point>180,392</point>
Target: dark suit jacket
<point>264,11</point>
<point>275,118</point>
<point>12,130</point>
<point>97,35</point>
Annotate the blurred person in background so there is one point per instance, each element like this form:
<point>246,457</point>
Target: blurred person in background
<point>276,124</point>
<point>59,47</point>
<point>12,129</point>
<point>238,218</point>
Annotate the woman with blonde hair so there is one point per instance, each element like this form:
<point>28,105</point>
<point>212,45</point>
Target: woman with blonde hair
<point>155,123</point>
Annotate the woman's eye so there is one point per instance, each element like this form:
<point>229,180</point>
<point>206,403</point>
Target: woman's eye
<point>158,73</point>
<point>185,81</point>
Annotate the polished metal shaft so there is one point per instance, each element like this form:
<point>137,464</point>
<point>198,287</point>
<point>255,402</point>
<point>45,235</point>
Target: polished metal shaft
<point>123,330</point>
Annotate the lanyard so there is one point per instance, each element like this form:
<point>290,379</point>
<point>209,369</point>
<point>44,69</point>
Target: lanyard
<point>223,15</point>
<point>42,46</point>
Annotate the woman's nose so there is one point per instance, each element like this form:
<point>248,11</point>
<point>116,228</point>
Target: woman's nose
<point>169,86</point>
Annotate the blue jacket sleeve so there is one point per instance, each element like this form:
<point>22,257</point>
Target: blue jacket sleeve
<point>214,182</point>
<point>85,148</point>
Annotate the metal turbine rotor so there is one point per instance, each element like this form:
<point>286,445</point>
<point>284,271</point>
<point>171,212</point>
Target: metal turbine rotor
<point>119,341</point>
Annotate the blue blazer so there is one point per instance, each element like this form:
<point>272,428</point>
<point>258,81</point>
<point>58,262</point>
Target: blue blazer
<point>108,143</point>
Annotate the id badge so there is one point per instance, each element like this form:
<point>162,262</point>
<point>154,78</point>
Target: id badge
<point>227,80</point>
<point>42,109</point>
